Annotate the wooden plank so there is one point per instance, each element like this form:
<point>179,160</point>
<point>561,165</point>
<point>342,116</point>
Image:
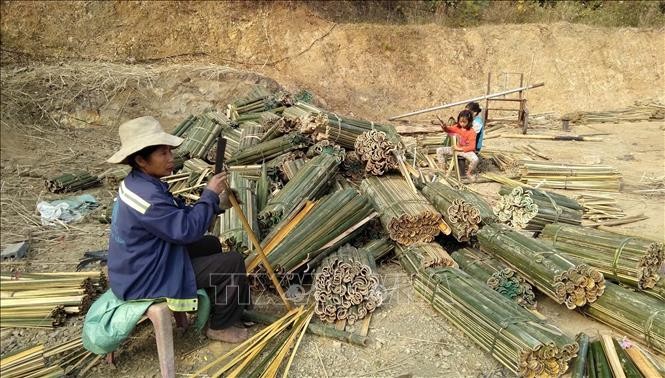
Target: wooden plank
<point>364,326</point>
<point>340,325</point>
<point>612,357</point>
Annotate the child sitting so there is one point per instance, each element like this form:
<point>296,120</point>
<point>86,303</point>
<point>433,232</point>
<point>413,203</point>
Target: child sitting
<point>465,143</point>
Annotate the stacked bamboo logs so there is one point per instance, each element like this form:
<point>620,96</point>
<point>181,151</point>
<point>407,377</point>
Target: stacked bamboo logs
<point>630,260</point>
<point>72,182</point>
<point>532,209</point>
<point>231,232</point>
<point>637,315</point>
<point>497,275</point>
<point>406,215</point>
<point>331,222</point>
<point>420,256</point>
<point>563,280</point>
<point>346,286</point>
<point>271,123</point>
<point>269,149</point>
<point>38,300</point>
<point>570,176</point>
<point>516,338</point>
<point>462,217</point>
<point>377,151</point>
<point>308,183</point>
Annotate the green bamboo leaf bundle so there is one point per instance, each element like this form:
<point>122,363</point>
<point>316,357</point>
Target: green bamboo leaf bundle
<point>72,182</point>
<point>328,147</point>
<point>346,286</point>
<point>570,176</point>
<point>516,338</point>
<point>561,279</point>
<point>462,217</point>
<point>420,256</point>
<point>532,209</point>
<point>325,227</point>
<point>497,275</point>
<point>630,260</point>
<point>378,150</point>
<point>269,149</point>
<point>639,316</point>
<point>231,232</point>
<point>406,215</point>
<point>308,183</point>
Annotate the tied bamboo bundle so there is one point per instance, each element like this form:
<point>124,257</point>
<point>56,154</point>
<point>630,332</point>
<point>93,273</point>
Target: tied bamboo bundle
<point>640,111</point>
<point>378,151</point>
<point>270,149</point>
<point>250,135</point>
<point>37,300</point>
<point>532,209</point>
<point>487,215</point>
<point>326,146</point>
<point>113,176</point>
<point>331,222</point>
<point>301,120</point>
<point>232,235</point>
<point>308,183</point>
<point>599,208</point>
<point>290,168</point>
<point>515,337</point>
<point>258,101</point>
<point>635,314</point>
<point>271,123</point>
<point>184,126</point>
<point>406,215</point>
<point>352,166</point>
<point>462,217</point>
<point>202,134</point>
<point>570,176</point>
<point>72,182</point>
<point>498,276</point>
<point>379,248</point>
<point>418,257</point>
<point>346,286</point>
<point>561,279</point>
<point>631,260</point>
<point>264,354</point>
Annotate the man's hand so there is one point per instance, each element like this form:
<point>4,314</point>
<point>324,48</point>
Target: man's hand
<point>218,183</point>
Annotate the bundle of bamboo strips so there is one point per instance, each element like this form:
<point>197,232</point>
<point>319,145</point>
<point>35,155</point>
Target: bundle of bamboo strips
<point>263,354</point>
<point>36,300</point>
<point>379,248</point>
<point>190,180</point>
<point>515,337</point>
<point>308,183</point>
<point>326,146</point>
<point>420,256</point>
<point>302,120</point>
<point>570,176</point>
<point>630,260</point>
<point>641,111</point>
<point>271,123</point>
<point>406,215</point>
<point>346,286</point>
<point>262,189</point>
<point>487,215</point>
<point>66,359</point>
<point>258,101</point>
<point>604,358</point>
<point>202,134</point>
<point>532,209</point>
<point>290,168</point>
<point>231,232</point>
<point>114,175</point>
<point>250,134</point>
<point>378,151</point>
<point>462,217</point>
<point>72,182</point>
<point>497,275</point>
<point>600,208</point>
<point>329,223</point>
<point>270,149</point>
<point>637,315</point>
<point>352,166</point>
<point>563,280</point>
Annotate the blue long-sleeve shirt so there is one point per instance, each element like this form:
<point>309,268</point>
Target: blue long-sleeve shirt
<point>150,229</point>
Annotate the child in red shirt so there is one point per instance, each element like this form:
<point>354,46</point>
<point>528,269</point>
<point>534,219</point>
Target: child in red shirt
<point>465,144</point>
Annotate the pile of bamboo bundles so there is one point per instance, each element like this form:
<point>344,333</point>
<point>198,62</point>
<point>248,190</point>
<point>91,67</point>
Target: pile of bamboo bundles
<point>43,300</point>
<point>598,208</point>
<point>308,183</point>
<point>405,215</point>
<point>561,279</point>
<point>264,354</point>
<point>260,100</point>
<point>497,275</point>
<point>231,232</point>
<point>202,134</point>
<point>72,182</point>
<point>346,286</point>
<point>377,151</point>
<point>532,209</point>
<point>269,149</point>
<point>641,111</point>
<point>250,134</point>
<point>326,146</point>
<point>66,359</point>
<point>631,260</point>
<point>462,217</point>
<point>420,256</point>
<point>304,240</point>
<point>570,176</point>
<point>635,314</point>
<point>515,337</point>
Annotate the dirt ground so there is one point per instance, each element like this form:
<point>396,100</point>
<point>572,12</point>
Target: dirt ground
<point>65,91</point>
